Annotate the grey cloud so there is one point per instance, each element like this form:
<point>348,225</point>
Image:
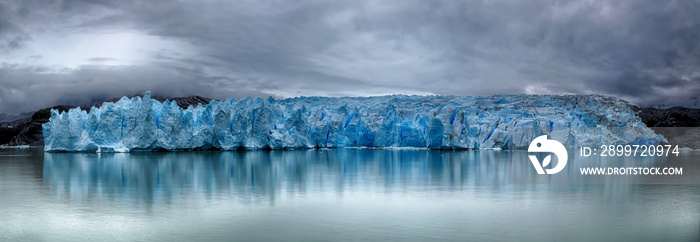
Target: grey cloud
<point>11,36</point>
<point>25,89</point>
<point>101,59</point>
<point>644,51</point>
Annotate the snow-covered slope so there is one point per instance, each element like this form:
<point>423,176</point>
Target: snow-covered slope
<point>436,122</point>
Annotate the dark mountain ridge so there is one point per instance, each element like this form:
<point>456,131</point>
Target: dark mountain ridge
<point>677,124</point>
<point>670,117</point>
<point>4,118</point>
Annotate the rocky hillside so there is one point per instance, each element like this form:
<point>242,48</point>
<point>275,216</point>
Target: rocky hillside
<point>671,117</point>
<point>678,125</point>
<point>27,131</point>
<point>4,118</point>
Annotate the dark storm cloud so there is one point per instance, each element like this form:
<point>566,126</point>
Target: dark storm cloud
<point>11,36</point>
<point>103,83</point>
<point>647,52</point>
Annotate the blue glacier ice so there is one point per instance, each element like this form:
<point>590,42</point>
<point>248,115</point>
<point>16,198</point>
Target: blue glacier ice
<point>435,122</point>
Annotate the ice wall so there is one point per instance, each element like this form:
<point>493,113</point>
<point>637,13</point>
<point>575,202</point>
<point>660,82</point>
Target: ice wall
<point>435,122</point>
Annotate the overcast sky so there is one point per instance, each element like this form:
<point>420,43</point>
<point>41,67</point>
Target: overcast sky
<point>77,51</point>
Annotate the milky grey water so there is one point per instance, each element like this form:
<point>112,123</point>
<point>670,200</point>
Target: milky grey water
<point>337,194</point>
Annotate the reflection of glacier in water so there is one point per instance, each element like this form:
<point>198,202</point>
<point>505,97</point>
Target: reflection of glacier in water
<point>155,177</point>
<point>337,194</point>
<point>161,177</point>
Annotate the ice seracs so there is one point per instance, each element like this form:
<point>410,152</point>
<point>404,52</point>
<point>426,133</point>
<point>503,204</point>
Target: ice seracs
<point>435,122</point>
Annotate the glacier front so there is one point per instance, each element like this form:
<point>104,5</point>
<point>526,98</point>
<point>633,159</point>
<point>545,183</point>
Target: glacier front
<point>434,122</point>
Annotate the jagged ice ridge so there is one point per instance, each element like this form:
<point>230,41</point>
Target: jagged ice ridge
<point>435,122</point>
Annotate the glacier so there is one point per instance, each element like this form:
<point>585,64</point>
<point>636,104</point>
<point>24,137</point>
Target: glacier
<point>431,122</point>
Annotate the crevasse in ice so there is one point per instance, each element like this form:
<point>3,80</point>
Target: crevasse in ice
<point>435,122</point>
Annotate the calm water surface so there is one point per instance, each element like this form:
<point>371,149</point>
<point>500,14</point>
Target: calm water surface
<point>339,194</point>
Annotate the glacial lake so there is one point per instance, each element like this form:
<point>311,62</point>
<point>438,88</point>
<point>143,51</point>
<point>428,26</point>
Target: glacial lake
<point>321,195</point>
